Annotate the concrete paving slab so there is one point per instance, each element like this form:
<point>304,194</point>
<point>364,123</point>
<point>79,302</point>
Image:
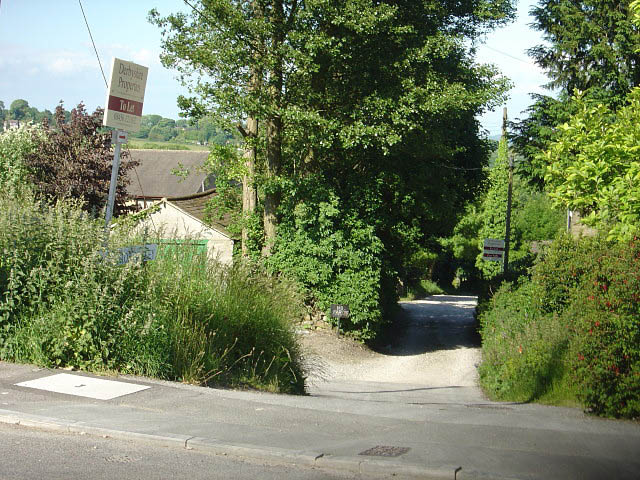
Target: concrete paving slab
<point>83,386</point>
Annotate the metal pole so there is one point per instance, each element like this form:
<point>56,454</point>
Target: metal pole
<point>114,182</point>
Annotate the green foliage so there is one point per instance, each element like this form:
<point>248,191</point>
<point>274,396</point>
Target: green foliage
<point>335,256</point>
<point>591,46</point>
<point>64,304</point>
<point>570,333</point>
<point>19,109</point>
<point>457,265</point>
<point>494,209</point>
<point>592,166</point>
<point>368,142</point>
<point>421,289</point>
<point>534,220</point>
<point>524,348</point>
<point>532,136</point>
<point>534,217</point>
<point>15,145</point>
<point>605,314</point>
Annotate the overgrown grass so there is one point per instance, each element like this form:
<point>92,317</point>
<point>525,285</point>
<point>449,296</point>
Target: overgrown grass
<point>181,317</point>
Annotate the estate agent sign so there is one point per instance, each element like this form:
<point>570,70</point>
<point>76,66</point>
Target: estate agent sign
<point>125,95</point>
<point>493,250</point>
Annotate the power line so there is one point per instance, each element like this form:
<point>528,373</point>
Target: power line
<point>509,55</point>
<point>94,44</point>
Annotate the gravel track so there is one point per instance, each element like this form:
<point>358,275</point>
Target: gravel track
<point>434,344</point>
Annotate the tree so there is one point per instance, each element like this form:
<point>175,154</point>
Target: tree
<point>75,161</point>
<point>591,46</point>
<point>360,117</point>
<point>593,167</point>
<point>19,109</point>
<point>494,208</point>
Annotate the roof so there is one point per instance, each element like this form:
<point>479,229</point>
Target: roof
<point>152,178</point>
<point>195,205</point>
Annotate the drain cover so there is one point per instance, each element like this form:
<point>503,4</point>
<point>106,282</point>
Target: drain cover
<point>385,451</point>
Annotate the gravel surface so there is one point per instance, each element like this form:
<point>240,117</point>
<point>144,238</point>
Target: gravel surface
<point>434,343</point>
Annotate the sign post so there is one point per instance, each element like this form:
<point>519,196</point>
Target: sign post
<point>338,312</point>
<point>123,111</point>
<point>493,250</point>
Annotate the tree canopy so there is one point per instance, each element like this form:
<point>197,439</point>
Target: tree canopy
<point>593,167</point>
<point>590,46</point>
<point>360,117</point>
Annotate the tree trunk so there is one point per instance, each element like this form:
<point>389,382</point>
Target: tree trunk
<point>249,191</point>
<point>274,132</point>
<point>272,196</point>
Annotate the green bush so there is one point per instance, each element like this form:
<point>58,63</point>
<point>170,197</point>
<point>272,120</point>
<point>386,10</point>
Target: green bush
<point>335,257</point>
<point>523,348</point>
<point>180,317</point>
<point>571,332</point>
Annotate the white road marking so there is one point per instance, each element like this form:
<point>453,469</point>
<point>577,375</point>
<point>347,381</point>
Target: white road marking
<point>83,386</point>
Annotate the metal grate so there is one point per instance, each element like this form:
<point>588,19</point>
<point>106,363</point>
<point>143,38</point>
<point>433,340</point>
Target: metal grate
<point>385,451</point>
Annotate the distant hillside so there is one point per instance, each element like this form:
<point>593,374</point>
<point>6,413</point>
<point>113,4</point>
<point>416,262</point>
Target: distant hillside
<point>154,128</point>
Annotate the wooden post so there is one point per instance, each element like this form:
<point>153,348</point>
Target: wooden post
<point>507,237</point>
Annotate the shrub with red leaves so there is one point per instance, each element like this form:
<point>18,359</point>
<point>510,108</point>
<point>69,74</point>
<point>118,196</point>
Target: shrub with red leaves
<point>76,159</point>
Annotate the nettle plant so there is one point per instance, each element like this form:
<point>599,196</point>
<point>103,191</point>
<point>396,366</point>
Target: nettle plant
<point>15,145</point>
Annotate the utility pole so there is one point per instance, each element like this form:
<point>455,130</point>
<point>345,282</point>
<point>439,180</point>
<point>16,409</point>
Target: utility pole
<point>507,238</point>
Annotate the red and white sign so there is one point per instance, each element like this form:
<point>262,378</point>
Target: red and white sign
<point>493,250</point>
<point>125,95</point>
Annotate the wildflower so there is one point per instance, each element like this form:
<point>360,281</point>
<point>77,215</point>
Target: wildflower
<point>597,323</point>
<point>520,349</point>
<point>580,357</point>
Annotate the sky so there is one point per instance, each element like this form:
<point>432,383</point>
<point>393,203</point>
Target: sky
<point>46,54</point>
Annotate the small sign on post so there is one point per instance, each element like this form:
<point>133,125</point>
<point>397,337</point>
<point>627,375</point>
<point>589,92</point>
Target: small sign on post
<point>493,250</point>
<point>338,312</point>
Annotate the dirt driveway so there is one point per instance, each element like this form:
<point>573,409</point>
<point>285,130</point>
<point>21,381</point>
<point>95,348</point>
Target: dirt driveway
<point>435,344</point>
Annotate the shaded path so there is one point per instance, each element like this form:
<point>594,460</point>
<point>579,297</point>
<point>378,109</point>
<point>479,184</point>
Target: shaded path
<point>432,359</point>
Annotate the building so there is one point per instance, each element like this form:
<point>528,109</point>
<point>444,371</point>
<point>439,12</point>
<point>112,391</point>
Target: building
<point>175,205</point>
<point>167,174</point>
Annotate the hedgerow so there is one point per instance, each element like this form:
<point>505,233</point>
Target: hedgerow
<point>571,332</point>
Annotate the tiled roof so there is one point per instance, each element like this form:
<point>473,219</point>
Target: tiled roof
<point>195,205</point>
<point>153,177</point>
